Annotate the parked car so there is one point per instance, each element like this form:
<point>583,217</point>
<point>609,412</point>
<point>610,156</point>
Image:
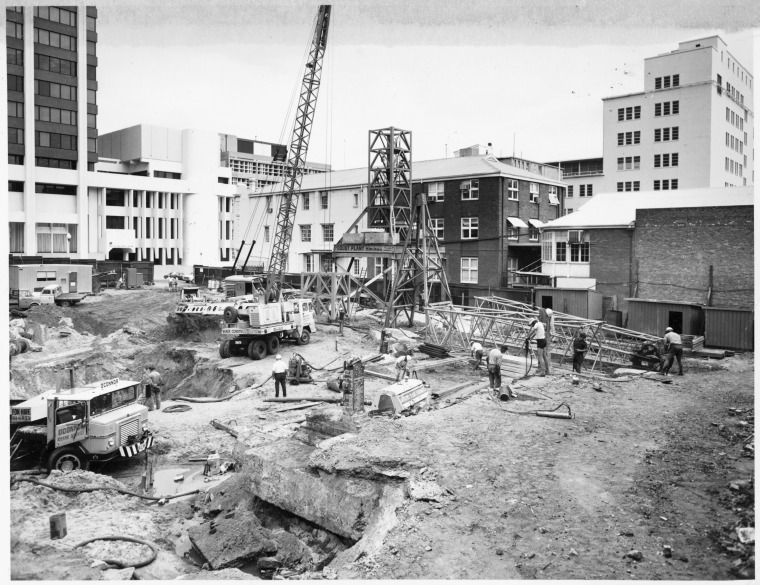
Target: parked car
<point>180,276</point>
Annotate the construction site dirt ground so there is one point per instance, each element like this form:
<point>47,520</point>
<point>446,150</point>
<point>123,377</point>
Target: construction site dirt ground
<point>647,481</point>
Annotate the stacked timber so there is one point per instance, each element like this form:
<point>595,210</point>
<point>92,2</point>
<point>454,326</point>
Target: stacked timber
<point>433,350</point>
<point>514,367</point>
<point>693,342</point>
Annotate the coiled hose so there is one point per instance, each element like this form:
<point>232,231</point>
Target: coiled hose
<point>120,564</point>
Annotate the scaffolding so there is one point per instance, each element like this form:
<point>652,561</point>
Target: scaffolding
<point>496,321</point>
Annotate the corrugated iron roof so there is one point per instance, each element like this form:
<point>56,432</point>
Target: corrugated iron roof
<point>426,170</point>
<point>619,209</point>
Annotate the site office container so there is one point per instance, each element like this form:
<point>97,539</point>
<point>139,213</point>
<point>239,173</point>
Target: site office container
<point>653,317</point>
<point>75,278</point>
<point>572,301</point>
<point>730,328</point>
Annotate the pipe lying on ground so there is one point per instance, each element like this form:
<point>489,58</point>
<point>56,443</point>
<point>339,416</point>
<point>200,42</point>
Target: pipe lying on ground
<point>137,565</point>
<point>99,488</point>
<point>309,399</point>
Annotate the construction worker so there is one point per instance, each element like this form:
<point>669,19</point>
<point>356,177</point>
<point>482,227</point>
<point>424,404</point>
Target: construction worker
<point>674,347</point>
<point>156,382</point>
<point>495,357</point>
<point>580,347</point>
<point>280,374</point>
<point>403,366</point>
<point>546,317</point>
<point>538,333</point>
<point>476,351</point>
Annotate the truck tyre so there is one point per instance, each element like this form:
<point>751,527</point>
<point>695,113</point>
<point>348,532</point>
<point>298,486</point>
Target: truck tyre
<point>67,459</point>
<point>273,344</point>
<point>230,314</point>
<point>224,349</point>
<point>65,303</point>
<point>257,349</point>
<point>304,338</point>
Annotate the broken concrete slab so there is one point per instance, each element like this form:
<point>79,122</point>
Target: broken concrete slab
<point>232,542</point>
<point>222,575</point>
<point>118,574</point>
<point>281,475</point>
<point>425,490</point>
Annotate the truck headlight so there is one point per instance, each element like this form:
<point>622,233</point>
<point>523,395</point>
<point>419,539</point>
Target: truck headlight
<point>111,442</point>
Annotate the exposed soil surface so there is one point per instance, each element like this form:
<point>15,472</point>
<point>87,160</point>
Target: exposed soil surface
<point>647,481</point>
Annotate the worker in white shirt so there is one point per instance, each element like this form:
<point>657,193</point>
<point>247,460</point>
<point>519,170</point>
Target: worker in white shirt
<point>538,333</point>
<point>280,374</point>
<point>476,351</point>
<point>495,357</point>
<point>674,347</point>
<point>403,366</point>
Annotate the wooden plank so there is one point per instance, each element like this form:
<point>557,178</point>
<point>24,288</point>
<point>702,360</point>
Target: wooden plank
<point>297,406</point>
<point>438,363</point>
<point>375,374</point>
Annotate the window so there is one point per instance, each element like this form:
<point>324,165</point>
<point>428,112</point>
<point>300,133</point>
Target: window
<point>561,250</point>
<point>533,234</point>
<point>435,191</point>
<point>534,192</point>
<point>16,237</point>
<point>15,109</point>
<point>547,247</point>
<point>620,187</point>
<point>54,39</point>
<point>15,83</point>
<point>114,222</point>
<point>553,195</point>
<point>469,228</point>
<point>512,189</point>
<point>306,201</point>
<point>308,262</point>
<point>676,80</point>
<point>436,225</point>
<point>579,252</point>
<point>673,184</point>
<point>470,189</point>
<point>115,198</point>
<point>356,200</point>
<point>586,191</point>
<point>327,232</point>
<point>15,56</point>
<point>324,201</point>
<point>305,232</point>
<point>469,270</point>
<point>629,113</point>
<point>62,15</point>
<point>55,64</point>
<point>266,233</point>
<point>14,30</point>
<point>15,136</point>
<point>91,47</point>
<point>91,23</point>
<point>569,191</point>
<point>656,185</point>
<point>92,96</point>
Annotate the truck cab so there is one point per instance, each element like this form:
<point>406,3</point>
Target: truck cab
<point>69,429</point>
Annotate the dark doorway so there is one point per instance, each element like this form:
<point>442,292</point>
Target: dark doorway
<point>547,302</point>
<point>675,320</point>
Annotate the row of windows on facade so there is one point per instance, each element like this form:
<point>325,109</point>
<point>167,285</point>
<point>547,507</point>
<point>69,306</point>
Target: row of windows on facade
<point>53,163</point>
<point>583,191</point>
<point>738,71</point>
<point>660,135</point>
<point>470,190</point>
<point>252,167</point>
<point>660,109</point>
<point>731,91</point>
<point>633,163</point>
<point>658,185</point>
<point>119,198</point>
<point>50,89</point>
<point>146,227</point>
<point>52,238</point>
<point>48,114</point>
<point>47,63</point>
<point>735,119</point>
<point>328,264</point>
<point>733,167</point>
<point>667,81</point>
<point>168,256</point>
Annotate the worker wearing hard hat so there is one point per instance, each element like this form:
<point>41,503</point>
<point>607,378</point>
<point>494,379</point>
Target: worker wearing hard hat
<point>476,351</point>
<point>538,332</point>
<point>674,347</point>
<point>279,373</point>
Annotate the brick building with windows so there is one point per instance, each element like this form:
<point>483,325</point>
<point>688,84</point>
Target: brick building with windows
<point>692,245</point>
<point>691,127</point>
<point>486,214</point>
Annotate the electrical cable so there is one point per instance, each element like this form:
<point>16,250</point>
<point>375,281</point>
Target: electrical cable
<point>99,488</point>
<point>120,564</point>
<point>177,408</point>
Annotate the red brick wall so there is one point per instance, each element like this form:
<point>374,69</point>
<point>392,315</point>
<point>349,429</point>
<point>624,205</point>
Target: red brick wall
<point>675,248</point>
<point>610,263</point>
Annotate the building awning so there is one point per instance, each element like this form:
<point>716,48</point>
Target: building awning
<point>536,223</point>
<point>553,199</point>
<point>517,222</point>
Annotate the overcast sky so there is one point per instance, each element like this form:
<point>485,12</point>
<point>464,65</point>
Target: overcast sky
<point>455,73</point>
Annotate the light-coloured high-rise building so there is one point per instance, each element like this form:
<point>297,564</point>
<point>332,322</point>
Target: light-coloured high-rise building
<point>692,126</point>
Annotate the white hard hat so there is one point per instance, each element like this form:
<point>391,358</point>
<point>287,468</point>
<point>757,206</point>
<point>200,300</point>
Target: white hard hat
<point>668,329</point>
<point>279,357</point>
<point>549,312</point>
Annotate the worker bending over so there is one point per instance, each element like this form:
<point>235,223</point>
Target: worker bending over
<point>403,366</point>
<point>674,347</point>
<point>495,357</point>
<point>580,347</point>
<point>476,351</point>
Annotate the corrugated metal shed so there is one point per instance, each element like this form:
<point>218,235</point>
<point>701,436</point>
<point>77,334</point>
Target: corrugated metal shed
<point>579,302</point>
<point>730,328</point>
<point>652,317</point>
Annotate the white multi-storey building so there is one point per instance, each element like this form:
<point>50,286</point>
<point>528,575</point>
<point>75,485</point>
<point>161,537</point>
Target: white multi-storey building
<point>692,126</point>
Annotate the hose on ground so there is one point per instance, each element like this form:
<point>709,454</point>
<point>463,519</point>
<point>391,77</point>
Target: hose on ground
<point>99,488</point>
<point>177,408</point>
<point>223,399</point>
<point>120,564</point>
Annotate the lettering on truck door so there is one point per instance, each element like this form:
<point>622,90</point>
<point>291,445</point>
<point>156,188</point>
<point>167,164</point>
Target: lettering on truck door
<point>70,424</point>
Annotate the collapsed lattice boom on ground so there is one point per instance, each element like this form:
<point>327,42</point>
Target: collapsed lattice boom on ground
<point>497,321</point>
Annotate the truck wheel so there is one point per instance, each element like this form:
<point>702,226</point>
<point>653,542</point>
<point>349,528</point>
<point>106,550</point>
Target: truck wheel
<point>273,344</point>
<point>304,338</point>
<point>67,459</point>
<point>224,349</point>
<point>257,349</point>
<point>65,303</point>
<point>230,314</point>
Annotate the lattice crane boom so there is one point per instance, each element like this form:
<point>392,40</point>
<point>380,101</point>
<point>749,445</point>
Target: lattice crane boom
<point>299,144</point>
